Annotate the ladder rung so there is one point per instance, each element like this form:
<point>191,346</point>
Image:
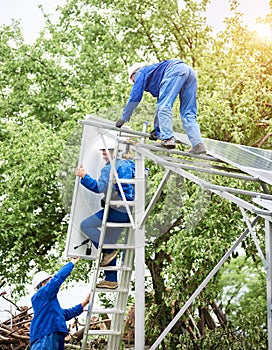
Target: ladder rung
<point>122,203</point>
<point>127,181</point>
<point>115,268</point>
<point>104,290</point>
<point>107,311</point>
<point>118,224</point>
<point>118,246</point>
<point>103,332</point>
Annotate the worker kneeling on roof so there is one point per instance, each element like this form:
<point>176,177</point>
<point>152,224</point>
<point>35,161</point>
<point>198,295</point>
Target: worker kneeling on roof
<point>166,81</point>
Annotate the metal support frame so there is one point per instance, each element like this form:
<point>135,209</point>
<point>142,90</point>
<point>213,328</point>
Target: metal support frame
<point>139,253</point>
<point>268,238</point>
<point>155,197</point>
<point>254,237</point>
<point>149,151</point>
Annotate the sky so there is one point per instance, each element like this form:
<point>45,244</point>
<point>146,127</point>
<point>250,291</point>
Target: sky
<point>32,20</point>
<point>67,298</point>
<point>32,23</point>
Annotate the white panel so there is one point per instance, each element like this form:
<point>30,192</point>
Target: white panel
<point>85,202</point>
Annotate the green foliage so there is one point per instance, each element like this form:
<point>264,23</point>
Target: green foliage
<point>196,251</point>
<point>235,87</point>
<point>31,213</point>
<point>228,339</point>
<point>244,291</point>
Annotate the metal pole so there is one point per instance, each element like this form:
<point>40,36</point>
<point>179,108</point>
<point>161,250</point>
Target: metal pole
<point>268,238</point>
<point>139,254</point>
<point>155,196</point>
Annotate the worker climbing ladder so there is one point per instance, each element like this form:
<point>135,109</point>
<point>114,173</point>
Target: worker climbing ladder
<point>125,266</point>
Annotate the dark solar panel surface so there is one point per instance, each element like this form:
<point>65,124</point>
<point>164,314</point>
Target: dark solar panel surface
<point>254,161</point>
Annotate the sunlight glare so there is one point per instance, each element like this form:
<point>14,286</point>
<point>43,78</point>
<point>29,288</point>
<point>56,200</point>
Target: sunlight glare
<point>263,31</point>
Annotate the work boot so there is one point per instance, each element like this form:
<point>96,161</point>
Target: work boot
<point>169,143</point>
<point>107,284</point>
<point>107,258</point>
<point>198,149</point>
<point>153,136</point>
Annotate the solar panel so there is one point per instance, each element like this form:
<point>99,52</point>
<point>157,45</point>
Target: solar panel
<point>254,161</point>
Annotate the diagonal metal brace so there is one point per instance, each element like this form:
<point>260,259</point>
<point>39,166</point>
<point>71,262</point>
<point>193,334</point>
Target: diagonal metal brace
<point>254,237</point>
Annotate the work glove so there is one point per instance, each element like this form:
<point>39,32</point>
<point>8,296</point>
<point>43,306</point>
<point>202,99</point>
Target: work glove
<point>119,123</point>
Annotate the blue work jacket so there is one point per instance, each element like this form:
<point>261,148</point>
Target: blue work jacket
<point>125,170</point>
<point>147,79</point>
<point>49,317</point>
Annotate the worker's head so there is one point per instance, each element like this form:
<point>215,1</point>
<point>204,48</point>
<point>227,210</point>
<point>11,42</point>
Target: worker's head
<point>106,153</point>
<point>133,69</point>
<point>40,279</point>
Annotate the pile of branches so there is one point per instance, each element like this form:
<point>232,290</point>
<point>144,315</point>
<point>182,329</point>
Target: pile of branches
<point>14,332</point>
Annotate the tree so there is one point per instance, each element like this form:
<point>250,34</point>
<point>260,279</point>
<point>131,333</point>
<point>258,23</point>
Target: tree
<point>31,212</point>
<point>235,87</point>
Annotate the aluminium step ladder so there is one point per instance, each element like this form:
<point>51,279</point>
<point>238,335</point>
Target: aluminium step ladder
<point>118,312</point>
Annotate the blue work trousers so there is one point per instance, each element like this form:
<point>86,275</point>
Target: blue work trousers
<point>91,228</point>
<point>53,341</point>
<point>179,79</point>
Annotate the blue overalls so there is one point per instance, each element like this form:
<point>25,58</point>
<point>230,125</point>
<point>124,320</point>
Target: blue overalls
<point>166,80</point>
<point>91,225</point>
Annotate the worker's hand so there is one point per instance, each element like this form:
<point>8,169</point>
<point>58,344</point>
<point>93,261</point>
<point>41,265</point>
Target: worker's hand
<point>80,171</point>
<point>86,300</point>
<point>74,260</point>
<point>119,123</point>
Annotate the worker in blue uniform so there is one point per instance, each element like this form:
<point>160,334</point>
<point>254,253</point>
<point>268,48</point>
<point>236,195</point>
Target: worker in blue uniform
<point>165,81</point>
<point>48,327</point>
<point>92,224</point>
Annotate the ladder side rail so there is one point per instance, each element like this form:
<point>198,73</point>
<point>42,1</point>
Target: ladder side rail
<point>100,245</point>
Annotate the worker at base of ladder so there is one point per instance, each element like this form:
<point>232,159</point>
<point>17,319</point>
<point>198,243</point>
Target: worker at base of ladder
<point>90,226</point>
<point>48,327</point>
